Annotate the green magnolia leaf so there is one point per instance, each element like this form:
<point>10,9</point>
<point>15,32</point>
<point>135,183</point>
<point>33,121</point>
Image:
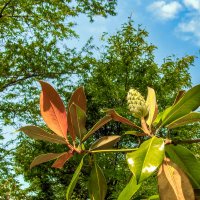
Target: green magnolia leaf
<point>146,159</point>
<point>151,103</point>
<point>78,120</point>
<point>74,180</point>
<point>97,126</point>
<point>45,158</point>
<point>105,142</point>
<point>78,98</point>
<point>97,184</point>
<point>130,189</point>
<point>187,119</point>
<point>39,134</point>
<point>189,102</point>
<point>186,161</point>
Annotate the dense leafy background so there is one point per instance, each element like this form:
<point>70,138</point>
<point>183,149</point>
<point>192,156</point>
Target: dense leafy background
<point>33,36</point>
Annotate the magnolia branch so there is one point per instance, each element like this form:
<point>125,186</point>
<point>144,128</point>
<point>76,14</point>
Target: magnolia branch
<point>175,142</point>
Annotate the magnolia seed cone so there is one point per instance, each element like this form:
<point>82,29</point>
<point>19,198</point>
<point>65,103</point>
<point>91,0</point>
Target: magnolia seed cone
<point>137,104</point>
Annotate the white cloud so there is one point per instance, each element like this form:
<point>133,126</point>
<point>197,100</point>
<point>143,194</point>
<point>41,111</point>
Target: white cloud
<point>195,4</point>
<point>164,10</point>
<point>190,29</point>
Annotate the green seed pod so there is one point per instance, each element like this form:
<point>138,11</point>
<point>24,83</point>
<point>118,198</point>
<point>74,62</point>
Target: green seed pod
<point>137,104</point>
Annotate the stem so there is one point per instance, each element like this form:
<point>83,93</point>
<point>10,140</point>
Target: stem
<point>175,142</point>
<point>112,150</point>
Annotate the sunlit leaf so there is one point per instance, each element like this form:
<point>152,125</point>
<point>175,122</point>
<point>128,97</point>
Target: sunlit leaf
<point>105,142</point>
<point>74,180</point>
<point>173,183</point>
<point>45,158</point>
<point>189,102</point>
<point>78,120</point>
<point>155,197</point>
<point>97,184</point>
<point>53,110</point>
<point>97,126</point>
<point>185,159</point>
<point>151,103</point>
<point>146,159</point>
<point>130,189</point>
<point>39,134</point>
<point>59,163</point>
<point>187,119</point>
<point>78,98</point>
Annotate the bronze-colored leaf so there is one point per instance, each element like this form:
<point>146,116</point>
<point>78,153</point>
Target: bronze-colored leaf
<point>173,184</point>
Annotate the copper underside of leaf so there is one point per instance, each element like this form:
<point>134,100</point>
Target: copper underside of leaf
<point>173,184</point>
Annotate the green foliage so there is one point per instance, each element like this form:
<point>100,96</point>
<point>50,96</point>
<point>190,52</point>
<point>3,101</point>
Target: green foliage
<point>143,162</point>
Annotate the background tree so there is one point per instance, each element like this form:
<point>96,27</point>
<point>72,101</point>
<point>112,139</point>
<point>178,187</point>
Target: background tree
<point>33,46</point>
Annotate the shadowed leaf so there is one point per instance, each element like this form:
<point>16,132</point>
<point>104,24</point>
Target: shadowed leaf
<point>39,134</point>
<point>59,163</point>
<point>53,110</point>
<point>45,158</point>
<point>116,117</point>
<point>105,142</point>
<point>97,126</point>
<point>78,120</point>
<point>97,184</point>
<point>179,96</point>
<point>78,98</point>
<point>173,183</point>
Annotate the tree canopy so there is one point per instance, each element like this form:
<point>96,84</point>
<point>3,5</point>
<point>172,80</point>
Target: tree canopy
<point>33,36</point>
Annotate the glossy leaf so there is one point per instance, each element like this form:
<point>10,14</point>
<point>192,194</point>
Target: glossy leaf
<point>105,142</point>
<point>59,163</point>
<point>116,117</point>
<point>130,189</point>
<point>97,126</point>
<point>45,158</point>
<point>78,120</point>
<point>173,183</point>
<point>53,110</point>
<point>151,103</point>
<point>39,134</point>
<point>78,98</point>
<point>74,180</point>
<point>146,159</point>
<point>185,159</point>
<point>97,184</point>
<point>189,102</point>
<point>187,119</point>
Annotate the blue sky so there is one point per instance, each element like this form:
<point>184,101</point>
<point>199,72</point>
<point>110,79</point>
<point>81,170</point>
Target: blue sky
<point>173,26</point>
